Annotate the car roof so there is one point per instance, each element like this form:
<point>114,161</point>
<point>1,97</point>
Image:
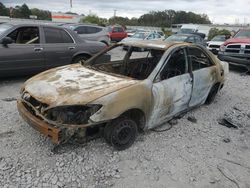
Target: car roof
<point>32,24</point>
<point>82,24</point>
<point>154,44</point>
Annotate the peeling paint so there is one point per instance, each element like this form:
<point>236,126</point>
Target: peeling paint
<point>159,100</point>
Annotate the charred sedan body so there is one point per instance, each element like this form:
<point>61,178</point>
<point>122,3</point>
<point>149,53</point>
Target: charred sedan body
<point>31,48</point>
<point>126,93</point>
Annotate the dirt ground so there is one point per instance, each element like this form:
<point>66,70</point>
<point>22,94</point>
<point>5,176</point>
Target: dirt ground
<point>197,154</point>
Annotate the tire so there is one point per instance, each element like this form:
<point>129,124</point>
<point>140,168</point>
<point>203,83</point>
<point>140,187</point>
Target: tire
<point>121,133</point>
<point>212,94</point>
<point>80,59</point>
<point>104,42</point>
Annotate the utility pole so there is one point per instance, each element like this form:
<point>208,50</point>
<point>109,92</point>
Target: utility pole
<point>115,13</point>
<point>71,5</point>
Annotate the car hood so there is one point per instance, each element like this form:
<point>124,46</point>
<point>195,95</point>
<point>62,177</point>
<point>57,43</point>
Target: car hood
<point>72,85</point>
<point>215,42</point>
<point>237,40</point>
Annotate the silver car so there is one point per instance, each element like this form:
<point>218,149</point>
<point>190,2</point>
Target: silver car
<point>90,32</point>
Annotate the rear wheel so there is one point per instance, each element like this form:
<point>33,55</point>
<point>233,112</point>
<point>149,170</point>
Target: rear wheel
<point>80,59</point>
<point>212,94</point>
<point>121,133</point>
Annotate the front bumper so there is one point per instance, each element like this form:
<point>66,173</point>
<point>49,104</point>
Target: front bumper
<point>235,59</point>
<point>38,124</point>
<point>214,50</point>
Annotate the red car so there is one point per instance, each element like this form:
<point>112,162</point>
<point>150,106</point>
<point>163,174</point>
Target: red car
<point>237,49</point>
<point>117,33</point>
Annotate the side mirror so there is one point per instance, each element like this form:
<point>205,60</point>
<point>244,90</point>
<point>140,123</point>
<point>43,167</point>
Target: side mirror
<point>6,40</point>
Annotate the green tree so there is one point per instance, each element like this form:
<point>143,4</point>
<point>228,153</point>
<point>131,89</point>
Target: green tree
<point>214,32</point>
<point>92,18</point>
<point>41,14</point>
<point>3,10</point>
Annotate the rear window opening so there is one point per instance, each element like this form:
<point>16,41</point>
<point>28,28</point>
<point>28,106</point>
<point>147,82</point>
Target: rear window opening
<point>134,62</point>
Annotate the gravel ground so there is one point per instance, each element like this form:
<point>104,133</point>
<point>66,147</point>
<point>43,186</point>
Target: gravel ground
<point>191,154</point>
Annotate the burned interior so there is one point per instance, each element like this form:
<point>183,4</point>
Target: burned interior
<point>134,62</point>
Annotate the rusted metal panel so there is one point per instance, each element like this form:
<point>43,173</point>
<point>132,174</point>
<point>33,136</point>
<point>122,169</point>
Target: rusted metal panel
<point>39,124</point>
<point>73,84</point>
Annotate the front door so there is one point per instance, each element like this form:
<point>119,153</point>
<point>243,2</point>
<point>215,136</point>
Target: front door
<point>204,74</point>
<point>172,91</point>
<point>25,55</point>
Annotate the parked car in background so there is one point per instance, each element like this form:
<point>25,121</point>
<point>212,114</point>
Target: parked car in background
<point>117,33</point>
<point>236,50</point>
<point>161,34</point>
<point>143,36</point>
<point>190,38</point>
<point>131,32</point>
<point>91,32</point>
<point>31,48</point>
<point>139,36</point>
<point>121,95</point>
<point>214,44</point>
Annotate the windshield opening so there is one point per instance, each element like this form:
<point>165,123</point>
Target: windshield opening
<point>139,35</point>
<point>220,38</point>
<point>176,38</point>
<point>130,61</point>
<point>243,34</point>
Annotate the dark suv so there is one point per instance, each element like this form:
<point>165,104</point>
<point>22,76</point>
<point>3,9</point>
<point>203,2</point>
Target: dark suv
<point>32,48</point>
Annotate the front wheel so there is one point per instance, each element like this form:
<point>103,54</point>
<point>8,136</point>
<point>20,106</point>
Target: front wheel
<point>121,133</point>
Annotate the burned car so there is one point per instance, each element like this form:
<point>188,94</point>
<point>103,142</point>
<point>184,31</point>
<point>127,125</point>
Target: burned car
<point>118,93</point>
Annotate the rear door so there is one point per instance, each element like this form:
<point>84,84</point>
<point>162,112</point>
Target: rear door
<point>89,32</point>
<point>59,47</point>
<point>204,74</point>
<point>25,55</point>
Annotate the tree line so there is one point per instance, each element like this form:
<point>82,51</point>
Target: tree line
<point>24,12</point>
<point>154,18</point>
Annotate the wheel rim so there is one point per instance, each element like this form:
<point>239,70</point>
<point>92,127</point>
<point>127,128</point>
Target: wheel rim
<point>124,135</point>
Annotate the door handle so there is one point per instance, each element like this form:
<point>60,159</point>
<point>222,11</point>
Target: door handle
<point>71,48</point>
<point>38,49</point>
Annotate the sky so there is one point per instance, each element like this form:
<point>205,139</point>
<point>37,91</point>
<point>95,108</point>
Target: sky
<point>219,11</point>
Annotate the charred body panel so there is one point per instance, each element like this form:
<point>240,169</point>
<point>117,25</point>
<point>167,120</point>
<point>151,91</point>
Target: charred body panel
<point>73,98</point>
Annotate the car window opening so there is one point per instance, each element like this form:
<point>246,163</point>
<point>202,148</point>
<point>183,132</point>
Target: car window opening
<point>134,62</point>
<point>176,65</point>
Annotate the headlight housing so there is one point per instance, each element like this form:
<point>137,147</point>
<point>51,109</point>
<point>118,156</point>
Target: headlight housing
<point>222,48</point>
<point>73,115</point>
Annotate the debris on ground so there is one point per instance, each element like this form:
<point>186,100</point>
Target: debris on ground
<point>192,119</point>
<point>227,123</point>
<point>235,118</point>
<point>6,134</point>
<point>228,174</point>
<point>226,140</point>
<point>10,99</point>
<point>163,127</point>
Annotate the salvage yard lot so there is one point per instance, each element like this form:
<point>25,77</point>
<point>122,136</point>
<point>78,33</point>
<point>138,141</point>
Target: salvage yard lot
<point>201,154</point>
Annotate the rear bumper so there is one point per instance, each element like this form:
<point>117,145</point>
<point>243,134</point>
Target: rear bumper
<point>38,124</point>
<point>238,60</point>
